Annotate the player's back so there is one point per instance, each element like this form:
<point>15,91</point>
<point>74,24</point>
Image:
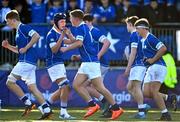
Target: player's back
<point>24,34</point>
<point>99,38</point>
<point>136,43</point>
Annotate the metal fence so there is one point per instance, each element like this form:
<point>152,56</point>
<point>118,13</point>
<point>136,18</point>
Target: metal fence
<point>164,31</point>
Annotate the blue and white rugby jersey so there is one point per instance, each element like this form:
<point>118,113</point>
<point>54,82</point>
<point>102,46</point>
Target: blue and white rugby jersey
<point>135,42</point>
<point>99,38</point>
<point>24,34</point>
<point>51,39</point>
<point>150,46</point>
<point>88,50</point>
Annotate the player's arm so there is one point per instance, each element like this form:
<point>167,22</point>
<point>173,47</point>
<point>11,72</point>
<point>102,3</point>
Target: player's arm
<point>161,51</point>
<point>76,44</point>
<point>70,36</point>
<point>56,45</point>
<point>131,60</point>
<point>105,47</point>
<point>6,44</point>
<point>34,39</point>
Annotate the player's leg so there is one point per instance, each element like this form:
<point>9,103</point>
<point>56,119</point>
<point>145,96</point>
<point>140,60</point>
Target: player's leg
<point>15,75</point>
<point>157,78</point>
<point>98,84</point>
<point>57,74</point>
<point>155,86</point>
<point>30,77</point>
<point>130,87</point>
<point>82,91</point>
<point>64,100</point>
<point>172,99</point>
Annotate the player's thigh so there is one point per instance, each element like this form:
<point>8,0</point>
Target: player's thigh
<point>155,86</point>
<point>129,86</point>
<point>79,80</point>
<point>147,90</point>
<point>98,83</point>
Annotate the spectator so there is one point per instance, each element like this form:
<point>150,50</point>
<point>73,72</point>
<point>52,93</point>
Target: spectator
<point>172,13</point>
<point>130,8</point>
<point>119,10</point>
<point>105,13</point>
<point>38,10</point>
<point>153,11</point>
<point>23,13</point>
<point>53,10</point>
<point>4,10</point>
<point>72,6</point>
<point>89,8</point>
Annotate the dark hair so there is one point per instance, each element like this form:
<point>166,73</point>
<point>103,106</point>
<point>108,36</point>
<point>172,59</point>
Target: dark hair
<point>88,17</point>
<point>143,22</point>
<point>13,14</point>
<point>77,13</point>
<point>131,19</point>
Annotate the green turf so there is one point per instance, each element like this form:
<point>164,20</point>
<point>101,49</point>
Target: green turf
<point>13,114</point>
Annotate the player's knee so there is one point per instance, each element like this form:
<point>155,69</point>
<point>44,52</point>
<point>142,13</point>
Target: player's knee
<point>75,86</point>
<point>32,88</point>
<point>129,88</point>
<point>11,80</point>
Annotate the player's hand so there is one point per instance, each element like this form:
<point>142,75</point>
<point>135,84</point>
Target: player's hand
<point>63,49</point>
<point>75,57</point>
<point>5,43</point>
<point>23,50</point>
<point>127,72</point>
<point>150,60</point>
<point>67,30</point>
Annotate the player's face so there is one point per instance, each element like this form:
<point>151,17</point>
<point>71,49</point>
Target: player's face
<point>140,31</point>
<point>128,25</point>
<point>73,20</point>
<point>10,22</point>
<point>62,23</point>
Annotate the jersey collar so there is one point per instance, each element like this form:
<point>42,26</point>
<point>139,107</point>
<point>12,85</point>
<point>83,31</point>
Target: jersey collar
<point>147,35</point>
<point>81,23</point>
<point>18,26</point>
<point>56,30</point>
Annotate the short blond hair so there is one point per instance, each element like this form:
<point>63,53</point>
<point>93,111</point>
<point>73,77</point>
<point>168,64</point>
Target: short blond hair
<point>13,14</point>
<point>77,13</point>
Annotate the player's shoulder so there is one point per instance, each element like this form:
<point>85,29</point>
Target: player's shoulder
<point>24,26</point>
<point>152,37</point>
<point>51,33</point>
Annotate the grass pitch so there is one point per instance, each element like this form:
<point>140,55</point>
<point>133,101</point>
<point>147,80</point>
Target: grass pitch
<point>14,114</point>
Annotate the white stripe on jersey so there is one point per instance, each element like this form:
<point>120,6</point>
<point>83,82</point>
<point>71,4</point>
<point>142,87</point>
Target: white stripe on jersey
<point>102,38</point>
<point>159,45</point>
<point>78,37</point>
<point>52,44</point>
<point>31,33</point>
<point>134,44</point>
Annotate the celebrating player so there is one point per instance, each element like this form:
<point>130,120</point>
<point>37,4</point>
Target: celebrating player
<point>26,66</point>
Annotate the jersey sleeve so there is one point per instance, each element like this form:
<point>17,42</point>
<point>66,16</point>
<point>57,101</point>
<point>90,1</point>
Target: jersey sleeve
<point>80,33</point>
<point>98,36</point>
<point>28,31</point>
<point>133,41</point>
<point>51,41</point>
<point>156,43</point>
